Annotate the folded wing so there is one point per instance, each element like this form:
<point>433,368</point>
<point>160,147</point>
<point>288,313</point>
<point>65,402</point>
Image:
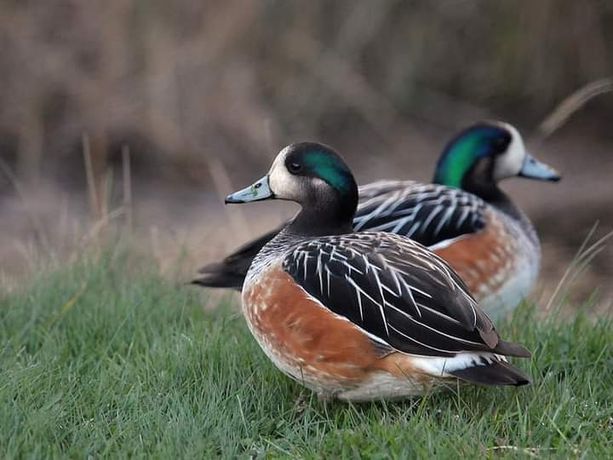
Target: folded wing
<point>398,292</point>
<point>427,213</point>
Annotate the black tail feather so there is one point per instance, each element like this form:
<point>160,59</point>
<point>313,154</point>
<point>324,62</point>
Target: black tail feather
<point>494,373</point>
<point>511,349</point>
<point>216,276</point>
<point>231,271</point>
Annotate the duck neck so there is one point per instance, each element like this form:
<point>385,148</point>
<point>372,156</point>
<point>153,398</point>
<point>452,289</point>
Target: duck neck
<point>322,216</point>
<point>489,192</point>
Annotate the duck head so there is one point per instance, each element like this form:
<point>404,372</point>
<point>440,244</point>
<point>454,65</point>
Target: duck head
<point>314,176</point>
<point>485,153</point>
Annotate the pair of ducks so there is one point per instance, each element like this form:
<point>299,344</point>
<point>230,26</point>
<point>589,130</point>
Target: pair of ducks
<point>348,300</point>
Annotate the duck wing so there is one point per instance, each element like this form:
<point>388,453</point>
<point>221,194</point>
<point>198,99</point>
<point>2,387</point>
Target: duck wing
<point>427,213</point>
<point>398,292</point>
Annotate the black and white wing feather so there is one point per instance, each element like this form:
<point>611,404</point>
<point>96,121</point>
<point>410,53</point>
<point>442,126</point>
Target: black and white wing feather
<point>426,213</point>
<point>397,291</point>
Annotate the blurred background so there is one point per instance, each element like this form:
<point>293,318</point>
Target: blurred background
<point>145,113</point>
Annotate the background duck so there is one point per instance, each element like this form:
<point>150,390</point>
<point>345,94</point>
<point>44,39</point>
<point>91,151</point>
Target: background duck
<point>360,316</point>
<point>463,216</point>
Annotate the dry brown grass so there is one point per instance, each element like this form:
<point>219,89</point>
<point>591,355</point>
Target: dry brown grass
<point>186,82</point>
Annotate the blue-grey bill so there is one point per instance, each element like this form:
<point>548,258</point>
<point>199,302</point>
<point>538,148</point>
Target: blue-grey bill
<point>534,169</point>
<point>260,190</point>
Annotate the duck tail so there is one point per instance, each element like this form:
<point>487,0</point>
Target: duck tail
<point>511,349</point>
<point>231,271</point>
<point>492,372</point>
<point>218,275</point>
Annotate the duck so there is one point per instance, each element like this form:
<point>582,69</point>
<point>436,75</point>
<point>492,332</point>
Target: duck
<point>462,215</point>
<point>360,316</point>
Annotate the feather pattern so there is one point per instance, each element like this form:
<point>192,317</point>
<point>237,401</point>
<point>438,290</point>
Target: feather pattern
<point>395,290</point>
<point>428,213</point>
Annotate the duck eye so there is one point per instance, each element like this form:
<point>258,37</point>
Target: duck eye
<point>294,167</point>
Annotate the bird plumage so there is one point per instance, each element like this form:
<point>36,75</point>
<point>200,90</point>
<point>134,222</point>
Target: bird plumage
<point>360,316</point>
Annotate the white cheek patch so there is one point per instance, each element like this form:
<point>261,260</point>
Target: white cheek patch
<point>510,163</point>
<point>280,181</point>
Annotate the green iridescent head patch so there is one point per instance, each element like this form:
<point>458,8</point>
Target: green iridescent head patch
<point>465,150</point>
<point>329,168</point>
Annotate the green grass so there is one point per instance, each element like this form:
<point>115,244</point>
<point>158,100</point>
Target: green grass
<point>98,363</point>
